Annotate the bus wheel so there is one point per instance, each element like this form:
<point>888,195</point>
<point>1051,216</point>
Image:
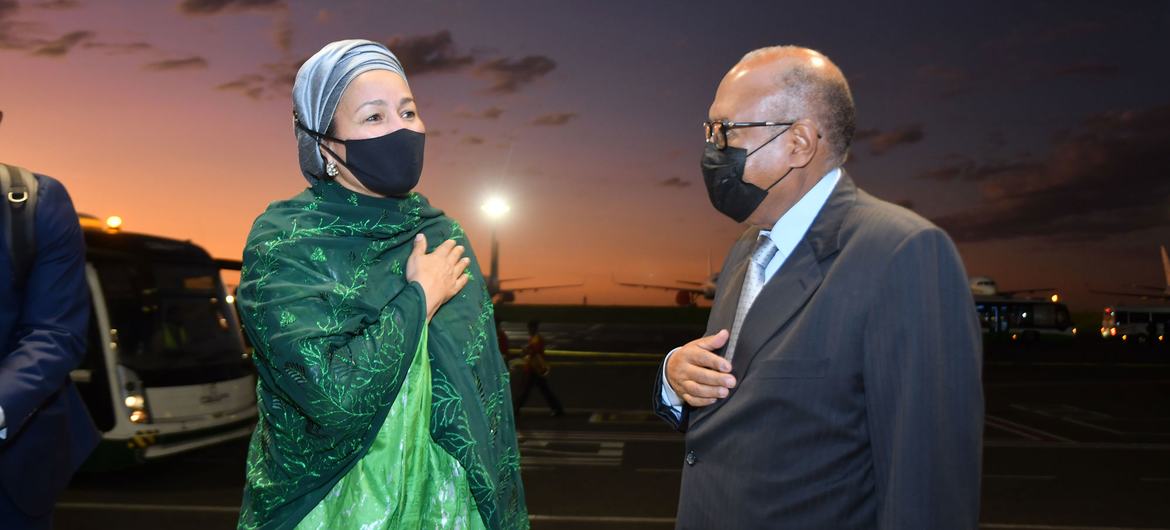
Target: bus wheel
<point>1141,339</point>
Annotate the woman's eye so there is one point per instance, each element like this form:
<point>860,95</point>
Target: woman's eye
<point>408,115</point>
<point>374,118</point>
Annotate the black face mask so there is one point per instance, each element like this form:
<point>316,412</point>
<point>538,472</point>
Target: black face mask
<point>388,165</point>
<point>723,174</point>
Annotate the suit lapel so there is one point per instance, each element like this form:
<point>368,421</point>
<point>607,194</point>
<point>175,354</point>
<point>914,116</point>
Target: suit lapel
<point>779,300</point>
<point>785,293</point>
<point>727,297</point>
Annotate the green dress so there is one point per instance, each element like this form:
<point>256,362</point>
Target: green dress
<point>403,463</point>
<point>368,416</point>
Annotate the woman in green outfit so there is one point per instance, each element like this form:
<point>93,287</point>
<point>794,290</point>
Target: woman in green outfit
<point>383,400</point>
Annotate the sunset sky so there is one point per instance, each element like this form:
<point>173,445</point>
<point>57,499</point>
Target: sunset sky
<point>1036,133</point>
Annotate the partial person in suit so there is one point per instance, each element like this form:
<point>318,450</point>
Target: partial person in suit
<point>45,429</point>
<point>839,384</point>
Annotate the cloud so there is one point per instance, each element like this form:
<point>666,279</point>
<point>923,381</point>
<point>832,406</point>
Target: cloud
<point>58,4</point>
<point>490,113</point>
<point>251,85</point>
<point>214,7</point>
<point>674,182</point>
<point>510,75</point>
<point>862,135</point>
<point>961,168</point>
<point>1103,177</point>
<point>554,119</point>
<point>424,54</point>
<point>282,33</point>
<point>275,80</point>
<point>63,44</point>
<point>881,143</point>
<point>116,48</point>
<point>186,63</point>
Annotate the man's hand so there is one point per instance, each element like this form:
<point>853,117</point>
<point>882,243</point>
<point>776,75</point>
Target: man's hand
<point>699,376</point>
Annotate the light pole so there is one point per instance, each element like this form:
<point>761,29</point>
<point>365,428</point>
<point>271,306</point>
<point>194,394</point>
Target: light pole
<point>495,208</point>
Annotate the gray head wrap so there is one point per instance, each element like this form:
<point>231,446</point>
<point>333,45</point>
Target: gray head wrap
<point>319,85</point>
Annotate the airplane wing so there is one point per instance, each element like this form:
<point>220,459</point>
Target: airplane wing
<point>541,287</point>
<point>1020,291</point>
<point>682,288</point>
<point>1153,296</point>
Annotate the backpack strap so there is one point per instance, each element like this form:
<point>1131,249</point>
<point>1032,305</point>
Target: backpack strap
<point>19,189</point>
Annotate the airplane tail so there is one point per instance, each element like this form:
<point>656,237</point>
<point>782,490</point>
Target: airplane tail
<point>1166,268</point>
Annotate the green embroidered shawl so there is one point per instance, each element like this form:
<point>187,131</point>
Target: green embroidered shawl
<point>324,298</point>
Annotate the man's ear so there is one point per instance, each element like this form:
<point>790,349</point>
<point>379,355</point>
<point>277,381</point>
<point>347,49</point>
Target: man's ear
<point>805,142</point>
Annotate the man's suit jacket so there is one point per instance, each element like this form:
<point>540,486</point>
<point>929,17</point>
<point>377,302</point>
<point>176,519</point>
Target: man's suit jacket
<point>859,401</point>
<point>42,338</point>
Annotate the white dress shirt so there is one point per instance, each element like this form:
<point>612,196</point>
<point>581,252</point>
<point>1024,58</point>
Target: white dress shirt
<point>786,234</point>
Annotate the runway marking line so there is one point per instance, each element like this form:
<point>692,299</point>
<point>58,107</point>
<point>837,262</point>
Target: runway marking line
<point>1009,526</point>
<point>603,519</point>
<point>1006,422</point>
<point>1064,418</point>
<point>1020,477</point>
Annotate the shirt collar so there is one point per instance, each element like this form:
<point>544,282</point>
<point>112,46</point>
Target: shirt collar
<point>791,227</point>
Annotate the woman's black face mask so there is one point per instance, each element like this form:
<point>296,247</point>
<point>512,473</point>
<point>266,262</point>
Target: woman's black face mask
<point>388,165</point>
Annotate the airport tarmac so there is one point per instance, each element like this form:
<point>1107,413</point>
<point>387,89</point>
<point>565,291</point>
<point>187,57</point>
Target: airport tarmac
<point>1074,441</point>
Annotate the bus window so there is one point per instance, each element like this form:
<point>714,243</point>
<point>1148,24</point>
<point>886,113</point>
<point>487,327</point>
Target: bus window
<point>172,322</point>
<point>1020,315</point>
<point>1043,315</point>
<point>1063,320</point>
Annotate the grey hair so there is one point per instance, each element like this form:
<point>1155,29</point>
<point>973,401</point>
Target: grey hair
<point>804,92</point>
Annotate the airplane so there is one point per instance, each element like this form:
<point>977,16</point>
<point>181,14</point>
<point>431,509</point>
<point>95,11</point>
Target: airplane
<point>1151,292</point>
<point>688,293</point>
<point>500,295</point>
<point>984,286</point>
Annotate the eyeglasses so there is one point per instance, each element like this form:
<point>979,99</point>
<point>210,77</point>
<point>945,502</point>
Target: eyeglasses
<point>716,131</point>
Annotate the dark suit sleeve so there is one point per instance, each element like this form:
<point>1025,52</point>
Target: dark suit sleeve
<point>662,409</point>
<point>923,388</point>
<point>49,338</point>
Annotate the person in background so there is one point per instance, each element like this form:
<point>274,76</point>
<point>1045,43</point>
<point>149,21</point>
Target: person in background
<point>537,370</point>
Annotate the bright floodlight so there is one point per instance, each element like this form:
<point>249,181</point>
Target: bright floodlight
<point>495,208</point>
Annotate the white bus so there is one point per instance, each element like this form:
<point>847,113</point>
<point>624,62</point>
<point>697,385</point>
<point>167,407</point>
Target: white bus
<point>1136,324</point>
<point>166,370</point>
<point>1023,320</point>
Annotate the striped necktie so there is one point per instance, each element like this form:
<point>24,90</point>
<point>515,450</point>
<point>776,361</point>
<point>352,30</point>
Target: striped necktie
<point>753,283</point>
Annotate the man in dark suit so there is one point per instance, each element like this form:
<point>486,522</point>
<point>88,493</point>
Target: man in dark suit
<point>45,430</point>
<point>839,384</point>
